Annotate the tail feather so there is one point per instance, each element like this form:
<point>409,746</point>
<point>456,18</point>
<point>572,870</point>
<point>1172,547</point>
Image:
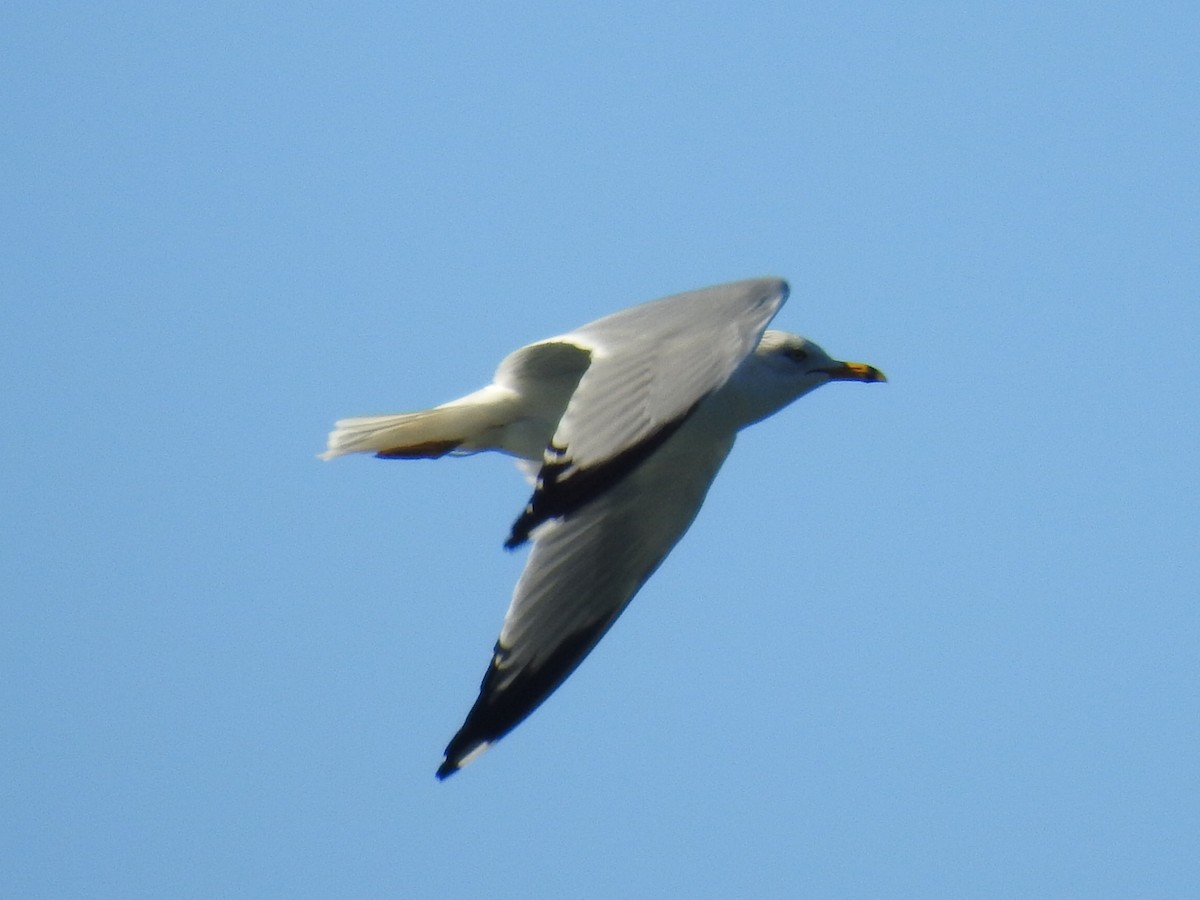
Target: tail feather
<point>403,436</point>
<point>469,424</point>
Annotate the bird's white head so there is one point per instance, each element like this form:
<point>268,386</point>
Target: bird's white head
<point>785,367</point>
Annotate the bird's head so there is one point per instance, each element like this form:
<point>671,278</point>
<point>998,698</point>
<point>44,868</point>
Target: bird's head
<point>798,359</point>
<point>787,366</point>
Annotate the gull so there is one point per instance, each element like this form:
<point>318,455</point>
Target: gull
<point>621,425</point>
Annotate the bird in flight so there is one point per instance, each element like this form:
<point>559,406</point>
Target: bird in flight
<point>621,425</point>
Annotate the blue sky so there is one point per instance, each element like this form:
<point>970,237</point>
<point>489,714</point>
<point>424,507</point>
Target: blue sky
<point>936,638</point>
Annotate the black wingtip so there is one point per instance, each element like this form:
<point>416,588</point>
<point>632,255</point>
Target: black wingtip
<point>463,749</point>
<point>529,519</point>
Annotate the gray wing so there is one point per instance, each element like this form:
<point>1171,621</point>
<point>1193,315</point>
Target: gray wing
<point>582,572</point>
<point>652,363</point>
<point>650,366</point>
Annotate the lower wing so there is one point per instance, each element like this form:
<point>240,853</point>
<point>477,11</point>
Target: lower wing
<point>581,574</point>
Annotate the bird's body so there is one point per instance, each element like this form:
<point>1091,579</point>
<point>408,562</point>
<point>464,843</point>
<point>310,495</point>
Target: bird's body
<point>623,424</point>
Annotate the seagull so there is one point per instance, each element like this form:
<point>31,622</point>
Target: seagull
<point>621,426</point>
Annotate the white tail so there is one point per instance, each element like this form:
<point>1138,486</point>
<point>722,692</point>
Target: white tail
<point>408,435</point>
<point>470,424</point>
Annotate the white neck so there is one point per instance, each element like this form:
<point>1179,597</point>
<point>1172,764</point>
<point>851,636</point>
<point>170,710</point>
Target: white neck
<point>753,392</point>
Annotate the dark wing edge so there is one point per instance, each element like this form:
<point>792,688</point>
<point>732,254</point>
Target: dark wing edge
<point>497,711</point>
<point>555,496</point>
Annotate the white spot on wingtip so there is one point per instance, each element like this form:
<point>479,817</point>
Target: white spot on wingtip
<point>474,754</point>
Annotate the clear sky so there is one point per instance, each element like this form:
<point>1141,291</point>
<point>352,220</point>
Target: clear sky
<point>935,638</point>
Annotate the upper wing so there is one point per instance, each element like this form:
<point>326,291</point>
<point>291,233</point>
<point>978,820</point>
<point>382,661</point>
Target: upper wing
<point>650,365</point>
<point>582,572</point>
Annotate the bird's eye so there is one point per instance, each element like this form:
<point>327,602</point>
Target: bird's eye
<point>796,354</point>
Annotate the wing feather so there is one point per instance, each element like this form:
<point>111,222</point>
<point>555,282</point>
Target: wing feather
<point>581,574</point>
<point>650,367</point>
<point>653,362</point>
